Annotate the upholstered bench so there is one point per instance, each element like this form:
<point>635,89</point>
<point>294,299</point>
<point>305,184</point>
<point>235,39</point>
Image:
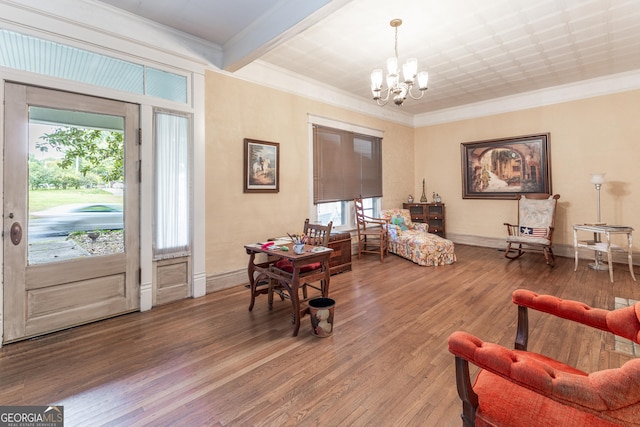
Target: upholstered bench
<point>412,241</point>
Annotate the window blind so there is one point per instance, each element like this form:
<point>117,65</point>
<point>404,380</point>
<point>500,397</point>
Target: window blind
<point>345,165</point>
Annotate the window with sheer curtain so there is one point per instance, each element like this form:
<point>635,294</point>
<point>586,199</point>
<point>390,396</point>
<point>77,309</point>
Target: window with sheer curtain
<point>172,228</point>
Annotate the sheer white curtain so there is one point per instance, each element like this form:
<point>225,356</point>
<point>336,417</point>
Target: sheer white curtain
<point>172,226</point>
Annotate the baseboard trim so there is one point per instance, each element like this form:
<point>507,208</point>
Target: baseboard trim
<point>229,279</point>
<point>563,250</point>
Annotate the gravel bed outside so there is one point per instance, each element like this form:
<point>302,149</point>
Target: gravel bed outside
<point>108,242</point>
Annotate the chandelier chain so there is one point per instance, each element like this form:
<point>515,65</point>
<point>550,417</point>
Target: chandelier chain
<point>396,45</point>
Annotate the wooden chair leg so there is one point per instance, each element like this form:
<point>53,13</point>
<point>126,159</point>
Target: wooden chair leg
<point>465,391</point>
<point>508,251</point>
<point>549,257</point>
<point>522,331</point>
<point>270,294</point>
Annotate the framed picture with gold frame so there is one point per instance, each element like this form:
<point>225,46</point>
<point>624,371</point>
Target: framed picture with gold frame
<point>504,168</point>
<point>261,166</point>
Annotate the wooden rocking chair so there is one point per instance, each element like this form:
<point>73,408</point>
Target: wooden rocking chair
<point>534,230</point>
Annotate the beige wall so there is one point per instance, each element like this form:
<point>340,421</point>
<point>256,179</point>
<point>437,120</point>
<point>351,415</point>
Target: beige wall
<point>236,109</point>
<point>600,134</point>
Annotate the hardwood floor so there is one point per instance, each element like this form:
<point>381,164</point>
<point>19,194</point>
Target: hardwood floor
<point>210,362</point>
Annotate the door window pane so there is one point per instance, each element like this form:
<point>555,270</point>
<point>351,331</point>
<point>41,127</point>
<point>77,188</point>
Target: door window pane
<point>76,183</point>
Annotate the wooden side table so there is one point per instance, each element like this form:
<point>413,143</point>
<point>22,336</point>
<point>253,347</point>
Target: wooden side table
<point>605,246</point>
<point>341,256</point>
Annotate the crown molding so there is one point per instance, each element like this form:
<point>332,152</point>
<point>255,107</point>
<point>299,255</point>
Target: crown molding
<point>275,77</point>
<point>607,85</point>
<point>269,75</point>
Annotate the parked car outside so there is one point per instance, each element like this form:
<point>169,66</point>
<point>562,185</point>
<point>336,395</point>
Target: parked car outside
<point>65,219</point>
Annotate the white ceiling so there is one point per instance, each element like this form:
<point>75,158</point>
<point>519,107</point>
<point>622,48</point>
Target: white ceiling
<point>474,50</point>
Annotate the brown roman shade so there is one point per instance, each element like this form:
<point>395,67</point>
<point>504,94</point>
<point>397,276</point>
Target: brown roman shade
<point>345,165</point>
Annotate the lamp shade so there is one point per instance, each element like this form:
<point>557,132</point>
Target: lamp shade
<point>410,69</point>
<point>376,80</point>
<point>597,178</point>
<point>423,80</point>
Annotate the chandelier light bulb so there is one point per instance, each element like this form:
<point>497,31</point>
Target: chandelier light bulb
<point>392,65</point>
<point>409,70</point>
<point>392,80</point>
<point>423,80</point>
<point>376,80</point>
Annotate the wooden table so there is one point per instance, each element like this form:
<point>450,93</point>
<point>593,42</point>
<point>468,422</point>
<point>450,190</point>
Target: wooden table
<point>606,246</point>
<point>265,271</point>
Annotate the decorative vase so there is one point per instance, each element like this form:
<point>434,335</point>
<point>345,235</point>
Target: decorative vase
<point>423,198</point>
<point>410,199</point>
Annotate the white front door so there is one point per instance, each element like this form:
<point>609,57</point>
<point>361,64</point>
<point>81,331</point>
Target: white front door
<point>71,211</point>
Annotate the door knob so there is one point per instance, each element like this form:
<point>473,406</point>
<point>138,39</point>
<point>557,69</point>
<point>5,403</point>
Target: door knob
<point>16,233</point>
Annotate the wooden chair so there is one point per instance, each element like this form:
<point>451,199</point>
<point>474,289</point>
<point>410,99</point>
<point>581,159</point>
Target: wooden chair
<point>522,388</point>
<point>317,235</point>
<point>372,232</point>
<point>534,230</point>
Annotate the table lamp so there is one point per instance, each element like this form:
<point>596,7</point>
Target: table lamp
<point>597,179</point>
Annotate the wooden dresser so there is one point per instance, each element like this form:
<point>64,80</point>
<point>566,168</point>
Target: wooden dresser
<point>431,213</point>
<point>418,211</point>
<point>436,220</point>
<point>341,257</point>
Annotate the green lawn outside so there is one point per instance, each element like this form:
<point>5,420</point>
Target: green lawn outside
<point>44,199</point>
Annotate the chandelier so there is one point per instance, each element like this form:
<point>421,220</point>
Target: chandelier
<point>396,89</point>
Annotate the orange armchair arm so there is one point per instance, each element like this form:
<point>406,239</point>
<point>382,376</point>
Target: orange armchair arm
<point>609,390</point>
<point>624,322</point>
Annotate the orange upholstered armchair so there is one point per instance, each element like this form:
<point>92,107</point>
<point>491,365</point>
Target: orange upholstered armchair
<point>520,388</point>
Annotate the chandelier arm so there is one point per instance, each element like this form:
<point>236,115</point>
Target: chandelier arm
<point>410,92</point>
<point>384,98</point>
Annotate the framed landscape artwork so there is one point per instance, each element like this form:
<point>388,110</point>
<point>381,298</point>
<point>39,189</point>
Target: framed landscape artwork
<point>261,166</point>
<point>504,168</point>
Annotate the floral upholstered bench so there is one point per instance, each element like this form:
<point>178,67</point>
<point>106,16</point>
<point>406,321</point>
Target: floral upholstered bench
<point>412,241</point>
